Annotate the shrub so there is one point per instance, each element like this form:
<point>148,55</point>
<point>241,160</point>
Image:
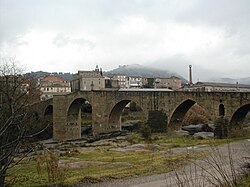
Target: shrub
<point>146,133</point>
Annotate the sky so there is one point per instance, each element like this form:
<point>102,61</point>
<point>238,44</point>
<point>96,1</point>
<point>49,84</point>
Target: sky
<point>72,35</point>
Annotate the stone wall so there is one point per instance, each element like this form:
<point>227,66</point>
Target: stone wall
<point>107,107</point>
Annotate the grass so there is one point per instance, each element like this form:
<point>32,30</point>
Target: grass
<point>138,163</point>
<point>112,164</point>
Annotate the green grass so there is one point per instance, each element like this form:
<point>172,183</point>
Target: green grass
<point>141,163</point>
<point>144,162</point>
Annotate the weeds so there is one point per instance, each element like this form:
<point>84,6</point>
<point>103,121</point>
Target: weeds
<point>219,168</point>
<point>50,162</point>
<point>146,133</point>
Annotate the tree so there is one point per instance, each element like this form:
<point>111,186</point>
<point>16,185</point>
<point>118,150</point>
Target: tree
<point>150,83</point>
<point>196,115</point>
<point>16,95</point>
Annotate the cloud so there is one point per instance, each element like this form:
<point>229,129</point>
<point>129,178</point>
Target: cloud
<point>61,40</point>
<point>71,35</point>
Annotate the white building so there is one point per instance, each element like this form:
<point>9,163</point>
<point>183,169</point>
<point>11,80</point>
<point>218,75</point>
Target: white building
<point>53,85</point>
<point>134,82</point>
<point>121,80</point>
<point>217,87</point>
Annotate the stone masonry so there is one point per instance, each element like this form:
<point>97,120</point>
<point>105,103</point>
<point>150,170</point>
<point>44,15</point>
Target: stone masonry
<point>107,107</point>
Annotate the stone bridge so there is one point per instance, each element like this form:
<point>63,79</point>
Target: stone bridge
<point>107,107</point>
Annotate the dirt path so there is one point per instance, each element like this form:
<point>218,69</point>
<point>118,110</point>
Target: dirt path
<point>195,174</point>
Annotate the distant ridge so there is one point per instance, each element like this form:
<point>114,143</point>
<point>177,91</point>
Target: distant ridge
<point>139,70</point>
<point>245,80</point>
<point>37,74</point>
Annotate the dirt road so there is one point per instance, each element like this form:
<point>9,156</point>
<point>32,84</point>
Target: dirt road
<point>222,162</point>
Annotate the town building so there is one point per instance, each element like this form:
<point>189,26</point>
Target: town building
<point>173,83</point>
<point>111,83</point>
<point>121,80</point>
<point>88,80</point>
<point>216,87</point>
<point>53,85</point>
<point>134,82</point>
<point>93,80</point>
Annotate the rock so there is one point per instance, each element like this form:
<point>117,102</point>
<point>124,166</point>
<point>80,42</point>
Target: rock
<point>204,135</point>
<point>121,138</point>
<point>138,146</point>
<point>135,147</point>
<point>182,133</point>
<point>86,130</point>
<point>80,164</point>
<point>153,147</point>
<point>197,128</point>
<point>211,125</point>
<point>121,164</point>
<point>132,126</point>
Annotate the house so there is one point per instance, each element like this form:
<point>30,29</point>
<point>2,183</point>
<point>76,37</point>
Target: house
<point>53,85</point>
<point>88,80</point>
<point>173,83</point>
<point>121,80</point>
<point>134,82</point>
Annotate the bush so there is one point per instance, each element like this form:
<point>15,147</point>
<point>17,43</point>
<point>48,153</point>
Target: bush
<point>196,115</point>
<point>146,133</point>
<point>49,161</point>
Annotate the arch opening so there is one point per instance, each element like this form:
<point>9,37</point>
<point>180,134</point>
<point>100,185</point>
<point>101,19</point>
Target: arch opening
<point>188,113</point>
<point>241,116</point>
<point>179,113</point>
<point>48,123</point>
<point>79,118</point>
<point>126,115</point>
<point>86,119</point>
<point>48,113</point>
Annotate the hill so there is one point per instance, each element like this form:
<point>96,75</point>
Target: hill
<point>139,70</point>
<point>37,74</point>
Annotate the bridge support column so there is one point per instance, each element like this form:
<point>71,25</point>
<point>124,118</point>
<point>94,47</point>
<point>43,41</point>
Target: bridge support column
<point>65,127</point>
<point>100,113</point>
<point>99,121</point>
<point>59,117</point>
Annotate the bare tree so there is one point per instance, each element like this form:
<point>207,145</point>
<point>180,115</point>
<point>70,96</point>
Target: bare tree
<point>16,94</point>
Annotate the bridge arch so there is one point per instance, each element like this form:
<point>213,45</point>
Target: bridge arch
<point>74,116</point>
<point>114,120</point>
<point>48,113</point>
<point>179,112</point>
<point>240,114</point>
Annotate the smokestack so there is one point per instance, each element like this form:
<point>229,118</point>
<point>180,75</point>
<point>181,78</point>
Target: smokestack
<point>190,75</point>
<point>237,85</point>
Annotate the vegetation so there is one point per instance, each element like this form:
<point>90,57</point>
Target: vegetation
<point>17,92</point>
<point>196,115</point>
<point>76,163</point>
<point>150,83</point>
<point>104,162</point>
<point>219,168</point>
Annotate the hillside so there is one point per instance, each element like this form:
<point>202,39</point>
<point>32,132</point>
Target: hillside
<point>37,74</point>
<point>139,70</point>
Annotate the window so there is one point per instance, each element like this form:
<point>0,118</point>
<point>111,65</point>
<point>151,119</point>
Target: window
<point>221,110</point>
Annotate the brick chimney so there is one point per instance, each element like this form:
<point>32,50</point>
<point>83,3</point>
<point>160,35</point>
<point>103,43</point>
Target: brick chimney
<point>190,75</point>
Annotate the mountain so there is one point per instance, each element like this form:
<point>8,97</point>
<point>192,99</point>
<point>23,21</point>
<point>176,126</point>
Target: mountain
<point>37,74</point>
<point>139,70</point>
<point>245,80</point>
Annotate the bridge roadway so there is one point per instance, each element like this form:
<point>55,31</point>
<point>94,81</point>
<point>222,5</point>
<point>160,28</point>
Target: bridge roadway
<point>107,107</point>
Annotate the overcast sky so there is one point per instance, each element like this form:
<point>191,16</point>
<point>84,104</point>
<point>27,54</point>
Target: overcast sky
<point>72,35</point>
